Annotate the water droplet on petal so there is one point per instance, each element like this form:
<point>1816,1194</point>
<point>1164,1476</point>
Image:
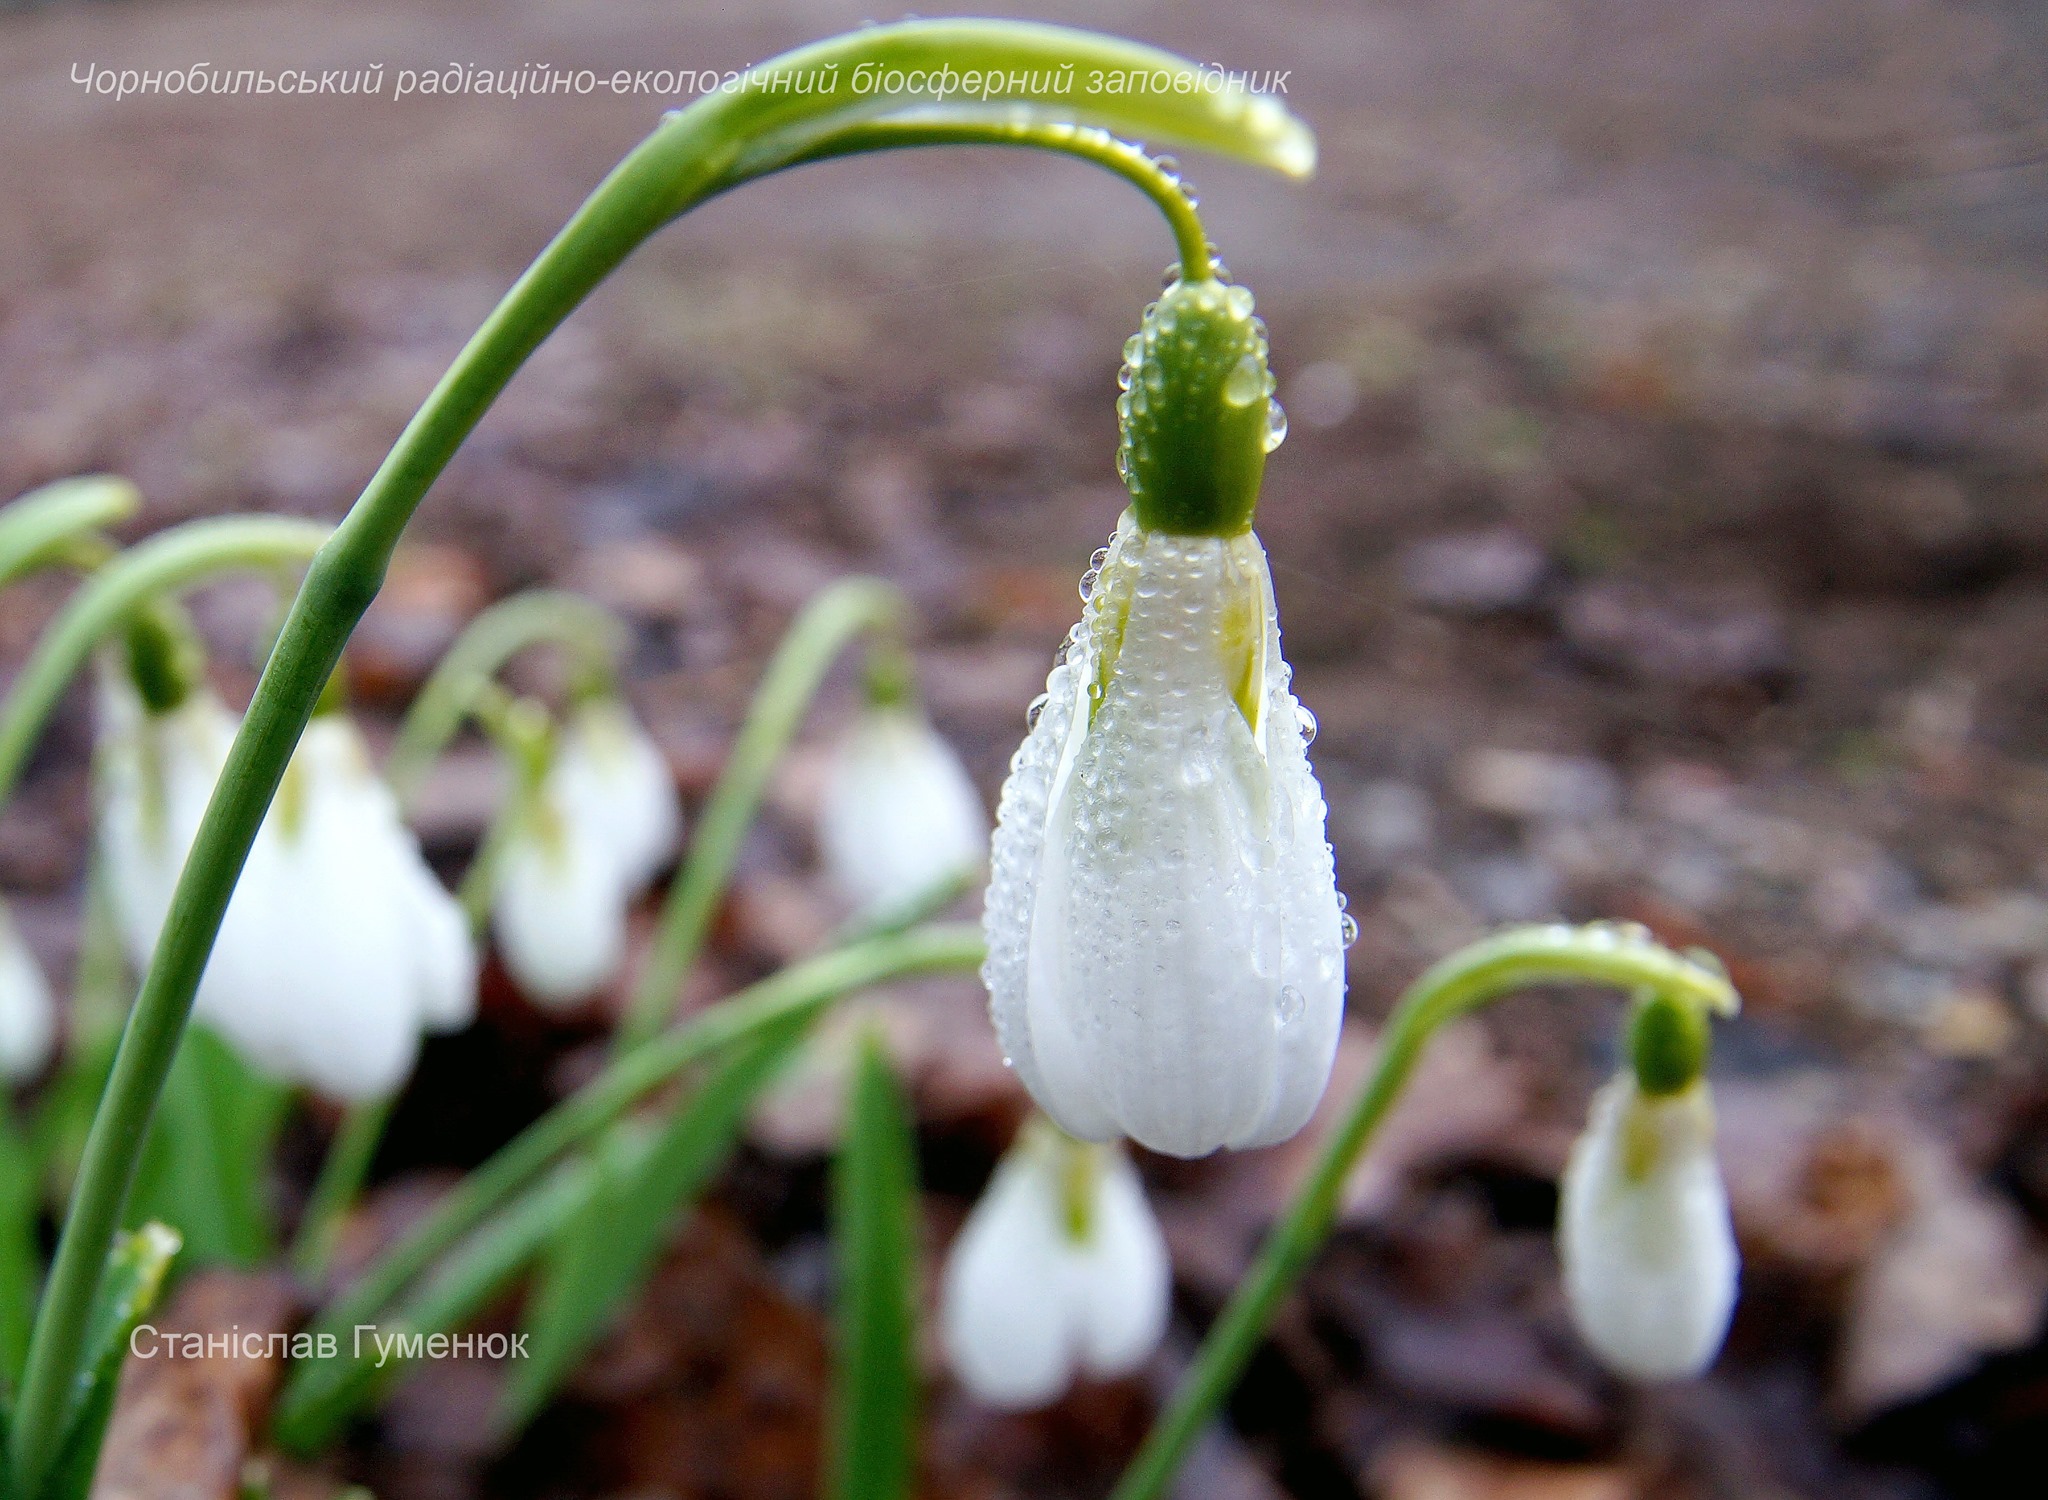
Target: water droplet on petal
<point>1036,707</point>
<point>1239,301</point>
<point>1241,386</point>
<point>1088,584</point>
<point>1706,958</point>
<point>1306,722</point>
<point>1276,425</point>
<point>1347,928</point>
<point>1290,1005</point>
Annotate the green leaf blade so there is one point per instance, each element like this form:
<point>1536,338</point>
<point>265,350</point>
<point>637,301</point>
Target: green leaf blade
<point>614,1243</point>
<point>873,1449</point>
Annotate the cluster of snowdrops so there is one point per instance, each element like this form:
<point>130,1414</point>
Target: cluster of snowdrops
<point>1163,940</point>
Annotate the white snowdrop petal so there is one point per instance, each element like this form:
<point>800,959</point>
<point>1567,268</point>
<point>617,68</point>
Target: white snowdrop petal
<point>608,771</point>
<point>1027,1303</point>
<point>559,913</point>
<point>28,1016</point>
<point>1000,1317</point>
<point>1648,1250</point>
<point>1165,949</point>
<point>153,776</point>
<point>900,813</point>
<point>335,945</point>
<point>1016,851</point>
<point>317,974</point>
<point>1127,1287</point>
<point>445,952</point>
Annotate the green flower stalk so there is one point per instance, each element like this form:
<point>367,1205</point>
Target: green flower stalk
<point>61,523</point>
<point>714,145</point>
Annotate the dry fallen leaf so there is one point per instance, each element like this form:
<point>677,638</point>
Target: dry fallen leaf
<point>1414,1470</point>
<point>181,1427</point>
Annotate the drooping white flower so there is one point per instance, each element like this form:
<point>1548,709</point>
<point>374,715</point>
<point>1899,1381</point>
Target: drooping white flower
<point>600,825</point>
<point>1649,1256</point>
<point>1166,949</point>
<point>900,816</point>
<point>339,947</point>
<point>28,1017</point>
<point>1060,1270</point>
<point>610,772</point>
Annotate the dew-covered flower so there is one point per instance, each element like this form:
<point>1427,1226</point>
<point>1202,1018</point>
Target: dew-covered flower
<point>1166,944</point>
<point>28,1018</point>
<point>600,824</point>
<point>1060,1270</point>
<point>900,816</point>
<point>339,947</point>
<point>1649,1254</point>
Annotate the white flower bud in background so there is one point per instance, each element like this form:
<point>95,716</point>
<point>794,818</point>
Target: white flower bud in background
<point>339,946</point>
<point>900,816</point>
<point>600,825</point>
<point>28,1017</point>
<point>609,771</point>
<point>1166,943</point>
<point>1059,1271</point>
<point>560,905</point>
<point>1648,1251</point>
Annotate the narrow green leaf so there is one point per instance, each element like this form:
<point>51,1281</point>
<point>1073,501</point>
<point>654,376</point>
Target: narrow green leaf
<point>874,1196</point>
<point>206,1167</point>
<point>477,1270</point>
<point>136,1270</point>
<point>20,1264</point>
<point>605,1253</point>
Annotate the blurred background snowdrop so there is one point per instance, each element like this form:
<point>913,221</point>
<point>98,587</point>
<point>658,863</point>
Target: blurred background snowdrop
<point>1060,1272</point>
<point>28,1017</point>
<point>1644,1234</point>
<point>1643,1227</point>
<point>339,948</point>
<point>900,819</point>
<point>595,820</point>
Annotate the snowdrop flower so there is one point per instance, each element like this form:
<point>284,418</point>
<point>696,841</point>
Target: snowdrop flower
<point>339,947</point>
<point>1061,1269</point>
<point>601,823</point>
<point>900,816</point>
<point>1166,944</point>
<point>1649,1254</point>
<point>28,1018</point>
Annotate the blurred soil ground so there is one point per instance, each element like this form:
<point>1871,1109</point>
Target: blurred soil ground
<point>1663,534</point>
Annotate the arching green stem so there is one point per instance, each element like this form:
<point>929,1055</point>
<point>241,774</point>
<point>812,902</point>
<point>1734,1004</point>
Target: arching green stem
<point>304,1416</point>
<point>170,560</point>
<point>42,525</point>
<point>494,637</point>
<point>717,143</point>
<point>1486,971</point>
<point>1016,127</point>
<point>846,610</point>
